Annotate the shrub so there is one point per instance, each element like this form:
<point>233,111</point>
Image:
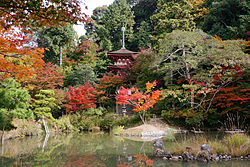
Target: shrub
<point>65,124</point>
<point>195,121</point>
<point>85,123</point>
<point>88,119</point>
<point>170,117</point>
<point>109,121</point>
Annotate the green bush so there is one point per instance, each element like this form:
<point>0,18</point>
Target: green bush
<point>171,119</point>
<point>88,119</point>
<point>195,121</point>
<point>5,120</point>
<point>109,121</point>
<point>65,124</point>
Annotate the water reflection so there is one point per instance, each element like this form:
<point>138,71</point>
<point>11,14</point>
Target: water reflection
<point>89,150</point>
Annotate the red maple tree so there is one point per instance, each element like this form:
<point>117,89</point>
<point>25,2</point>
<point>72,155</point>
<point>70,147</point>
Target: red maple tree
<point>142,101</point>
<point>81,98</point>
<point>107,87</point>
<point>48,77</point>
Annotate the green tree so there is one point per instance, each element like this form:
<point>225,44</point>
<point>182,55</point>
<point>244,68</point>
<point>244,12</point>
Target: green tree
<point>118,15</point>
<point>60,39</point>
<point>197,69</point>
<point>142,36</point>
<point>43,105</point>
<point>142,70</point>
<point>142,9</point>
<point>96,29</point>
<point>107,24</point>
<point>172,15</point>
<point>14,103</point>
<point>181,55</point>
<point>14,99</point>
<point>82,73</point>
<point>228,19</point>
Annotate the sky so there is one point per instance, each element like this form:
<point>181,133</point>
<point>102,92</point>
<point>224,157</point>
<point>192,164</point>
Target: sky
<point>91,4</point>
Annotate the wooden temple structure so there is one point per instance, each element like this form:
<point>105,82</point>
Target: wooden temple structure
<point>123,60</point>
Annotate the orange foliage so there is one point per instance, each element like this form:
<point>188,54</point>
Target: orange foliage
<point>142,158</point>
<point>107,86</point>
<point>138,160</point>
<point>199,10</point>
<point>48,77</point>
<point>142,101</point>
<point>16,60</point>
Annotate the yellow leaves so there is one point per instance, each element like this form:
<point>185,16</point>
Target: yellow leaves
<point>198,8</point>
<point>149,86</point>
<point>246,46</point>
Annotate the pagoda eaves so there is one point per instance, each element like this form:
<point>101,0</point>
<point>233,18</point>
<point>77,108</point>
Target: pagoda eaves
<point>123,59</point>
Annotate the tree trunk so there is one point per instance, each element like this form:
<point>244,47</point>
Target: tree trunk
<point>142,117</point>
<point>2,137</point>
<point>188,76</point>
<point>60,64</point>
<point>171,82</point>
<point>45,126</point>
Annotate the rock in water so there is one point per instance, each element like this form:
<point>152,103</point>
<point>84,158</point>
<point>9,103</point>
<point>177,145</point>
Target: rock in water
<point>159,149</point>
<point>202,156</point>
<point>185,156</point>
<point>205,147</point>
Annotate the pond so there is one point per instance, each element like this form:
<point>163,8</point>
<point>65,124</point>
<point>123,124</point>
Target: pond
<point>87,150</point>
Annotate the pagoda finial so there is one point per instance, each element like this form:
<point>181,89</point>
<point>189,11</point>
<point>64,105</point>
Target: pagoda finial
<point>123,37</point>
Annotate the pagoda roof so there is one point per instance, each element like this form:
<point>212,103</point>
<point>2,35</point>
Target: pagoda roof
<point>123,51</point>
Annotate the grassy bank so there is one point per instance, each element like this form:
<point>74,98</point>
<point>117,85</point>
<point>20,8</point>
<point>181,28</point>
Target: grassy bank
<point>235,145</point>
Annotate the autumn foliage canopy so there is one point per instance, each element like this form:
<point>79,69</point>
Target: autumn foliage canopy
<point>16,60</point>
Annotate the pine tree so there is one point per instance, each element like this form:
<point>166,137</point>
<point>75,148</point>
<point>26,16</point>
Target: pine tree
<point>172,15</point>
<point>107,24</point>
